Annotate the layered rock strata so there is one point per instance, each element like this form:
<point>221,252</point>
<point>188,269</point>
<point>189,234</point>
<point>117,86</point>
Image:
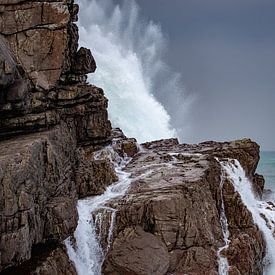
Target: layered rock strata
<point>51,122</point>
<point>169,221</point>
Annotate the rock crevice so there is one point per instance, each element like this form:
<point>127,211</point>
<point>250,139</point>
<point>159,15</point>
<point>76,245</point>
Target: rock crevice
<point>52,123</point>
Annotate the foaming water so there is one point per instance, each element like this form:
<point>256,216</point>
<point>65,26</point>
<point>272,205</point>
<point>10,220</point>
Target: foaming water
<point>222,260</point>
<point>263,212</point>
<point>128,51</point>
<point>85,250</point>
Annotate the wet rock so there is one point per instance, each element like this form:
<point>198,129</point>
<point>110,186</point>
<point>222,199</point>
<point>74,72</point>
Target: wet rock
<point>122,144</point>
<point>137,252</point>
<point>175,195</point>
<point>259,183</point>
<point>51,124</point>
<point>93,175</point>
<point>48,259</point>
<point>37,193</point>
<point>84,62</point>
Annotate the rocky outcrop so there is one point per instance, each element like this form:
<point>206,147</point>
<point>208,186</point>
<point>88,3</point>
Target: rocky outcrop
<point>43,80</point>
<point>38,195</point>
<point>44,39</point>
<point>50,260</point>
<point>173,208</point>
<point>51,123</point>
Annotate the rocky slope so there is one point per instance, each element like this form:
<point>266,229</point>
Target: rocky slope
<point>51,121</point>
<point>169,221</point>
<point>51,124</point>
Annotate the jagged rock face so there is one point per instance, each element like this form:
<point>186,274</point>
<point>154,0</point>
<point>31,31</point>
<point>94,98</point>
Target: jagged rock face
<point>8,66</point>
<point>175,197</point>
<point>13,87</point>
<point>92,176</point>
<point>247,247</point>
<point>37,192</point>
<point>44,39</point>
<point>50,260</point>
<point>37,33</point>
<point>51,123</point>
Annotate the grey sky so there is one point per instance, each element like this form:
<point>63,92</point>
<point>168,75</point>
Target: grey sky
<point>225,50</point>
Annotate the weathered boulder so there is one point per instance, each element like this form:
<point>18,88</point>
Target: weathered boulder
<point>83,62</point>
<point>175,195</point>
<point>137,252</point>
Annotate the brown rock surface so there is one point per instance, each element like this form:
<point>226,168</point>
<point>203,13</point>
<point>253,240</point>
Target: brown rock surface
<point>93,175</point>
<point>134,246</point>
<point>44,39</point>
<point>175,195</point>
<point>49,260</point>
<point>51,124</point>
<point>37,192</point>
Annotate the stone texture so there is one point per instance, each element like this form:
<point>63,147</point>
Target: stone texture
<point>175,195</point>
<point>49,260</point>
<point>84,62</point>
<point>137,252</point>
<point>93,175</point>
<point>8,66</point>
<point>37,192</point>
<point>124,145</point>
<point>51,124</point>
<point>44,39</point>
<point>37,34</point>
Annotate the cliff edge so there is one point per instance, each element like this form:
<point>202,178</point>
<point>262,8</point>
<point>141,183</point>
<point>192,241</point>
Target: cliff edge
<point>51,121</point>
<point>52,124</point>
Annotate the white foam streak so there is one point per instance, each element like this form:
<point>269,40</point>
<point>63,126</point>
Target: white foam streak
<point>87,253</point>
<point>257,208</point>
<point>128,54</point>
<point>222,260</point>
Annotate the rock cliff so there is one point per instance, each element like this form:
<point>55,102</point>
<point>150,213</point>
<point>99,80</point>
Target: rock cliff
<point>51,120</point>
<point>51,124</point>
<point>169,221</point>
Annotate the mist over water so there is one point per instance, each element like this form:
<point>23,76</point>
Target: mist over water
<point>145,96</point>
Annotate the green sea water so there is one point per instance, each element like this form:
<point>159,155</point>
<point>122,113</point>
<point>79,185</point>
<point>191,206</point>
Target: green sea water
<point>266,168</point>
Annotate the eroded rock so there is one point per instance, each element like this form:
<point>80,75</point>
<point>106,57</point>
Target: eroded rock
<point>175,195</point>
<point>137,252</point>
<point>51,123</point>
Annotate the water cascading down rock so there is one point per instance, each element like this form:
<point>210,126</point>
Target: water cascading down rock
<point>178,213</point>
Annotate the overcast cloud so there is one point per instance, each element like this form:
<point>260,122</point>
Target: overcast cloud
<point>225,50</point>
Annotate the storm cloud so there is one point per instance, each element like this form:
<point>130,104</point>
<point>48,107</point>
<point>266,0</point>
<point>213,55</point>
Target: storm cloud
<point>225,51</point>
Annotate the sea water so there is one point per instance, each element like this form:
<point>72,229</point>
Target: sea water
<point>266,168</point>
